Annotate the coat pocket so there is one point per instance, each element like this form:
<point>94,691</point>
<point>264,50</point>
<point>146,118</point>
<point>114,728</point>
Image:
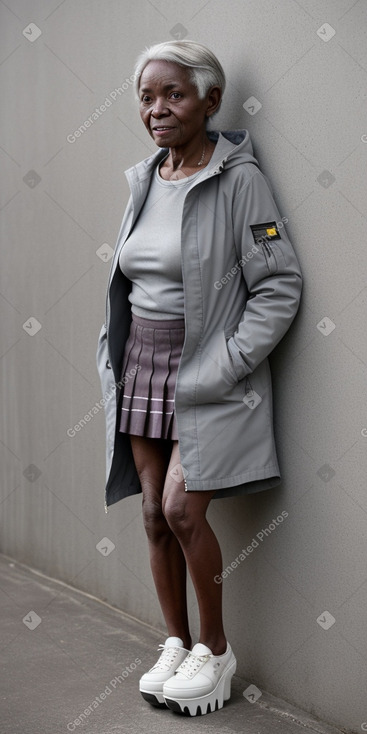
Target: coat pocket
<point>216,378</point>
<point>273,257</point>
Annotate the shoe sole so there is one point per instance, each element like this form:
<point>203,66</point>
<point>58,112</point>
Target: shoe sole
<point>205,704</point>
<point>155,699</point>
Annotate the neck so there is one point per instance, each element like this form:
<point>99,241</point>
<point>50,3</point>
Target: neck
<point>192,156</point>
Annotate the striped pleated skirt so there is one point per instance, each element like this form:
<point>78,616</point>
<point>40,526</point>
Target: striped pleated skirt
<point>149,370</point>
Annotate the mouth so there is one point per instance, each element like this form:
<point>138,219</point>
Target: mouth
<point>162,129</point>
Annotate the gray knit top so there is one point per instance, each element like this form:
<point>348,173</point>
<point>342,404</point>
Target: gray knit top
<point>151,256</point>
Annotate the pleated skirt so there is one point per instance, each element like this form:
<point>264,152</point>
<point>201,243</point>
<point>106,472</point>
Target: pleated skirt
<point>149,371</point>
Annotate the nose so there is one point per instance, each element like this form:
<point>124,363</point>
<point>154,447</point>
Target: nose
<point>159,107</point>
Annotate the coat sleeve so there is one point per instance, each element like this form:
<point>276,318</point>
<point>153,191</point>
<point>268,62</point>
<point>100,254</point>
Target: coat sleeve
<point>272,275</point>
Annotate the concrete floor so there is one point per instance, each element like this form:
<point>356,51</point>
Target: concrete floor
<point>72,663</point>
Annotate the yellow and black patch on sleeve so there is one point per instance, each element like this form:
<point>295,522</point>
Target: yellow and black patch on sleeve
<point>265,232</point>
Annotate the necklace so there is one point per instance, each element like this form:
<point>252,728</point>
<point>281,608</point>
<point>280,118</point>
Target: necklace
<point>178,173</point>
<point>201,161</point>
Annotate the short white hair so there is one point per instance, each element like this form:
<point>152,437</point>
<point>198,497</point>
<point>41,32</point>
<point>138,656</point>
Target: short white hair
<point>204,67</point>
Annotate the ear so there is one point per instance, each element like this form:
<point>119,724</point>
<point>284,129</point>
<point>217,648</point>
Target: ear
<point>214,98</point>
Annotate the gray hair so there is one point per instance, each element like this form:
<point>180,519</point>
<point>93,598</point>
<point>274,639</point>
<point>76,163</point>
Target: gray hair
<point>204,67</point>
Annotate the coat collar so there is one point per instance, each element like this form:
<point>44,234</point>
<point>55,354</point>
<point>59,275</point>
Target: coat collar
<point>233,147</point>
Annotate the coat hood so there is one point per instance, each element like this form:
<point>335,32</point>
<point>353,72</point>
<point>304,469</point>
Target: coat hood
<point>226,154</point>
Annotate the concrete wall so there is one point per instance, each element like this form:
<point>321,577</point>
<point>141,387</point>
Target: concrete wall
<point>295,607</point>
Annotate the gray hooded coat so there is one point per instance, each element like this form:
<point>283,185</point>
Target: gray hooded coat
<point>242,285</point>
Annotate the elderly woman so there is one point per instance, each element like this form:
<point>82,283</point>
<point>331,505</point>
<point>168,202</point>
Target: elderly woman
<point>204,283</point>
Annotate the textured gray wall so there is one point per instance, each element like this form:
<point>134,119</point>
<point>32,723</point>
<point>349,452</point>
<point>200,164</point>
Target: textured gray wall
<point>295,607</point>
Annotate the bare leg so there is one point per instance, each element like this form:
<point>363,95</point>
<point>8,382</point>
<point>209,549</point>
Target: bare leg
<point>167,560</point>
<point>185,513</point>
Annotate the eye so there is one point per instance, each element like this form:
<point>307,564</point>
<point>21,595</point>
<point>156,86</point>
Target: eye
<point>145,98</point>
<point>176,95</point>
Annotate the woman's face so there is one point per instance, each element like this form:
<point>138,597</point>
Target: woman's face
<point>169,104</point>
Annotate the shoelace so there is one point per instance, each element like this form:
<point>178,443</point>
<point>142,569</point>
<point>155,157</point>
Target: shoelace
<point>166,658</point>
<point>193,662</point>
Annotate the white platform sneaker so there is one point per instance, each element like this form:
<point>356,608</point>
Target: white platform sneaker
<point>202,682</point>
<point>151,683</point>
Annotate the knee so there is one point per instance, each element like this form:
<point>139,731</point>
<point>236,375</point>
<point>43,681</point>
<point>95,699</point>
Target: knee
<point>154,521</point>
<point>178,518</point>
